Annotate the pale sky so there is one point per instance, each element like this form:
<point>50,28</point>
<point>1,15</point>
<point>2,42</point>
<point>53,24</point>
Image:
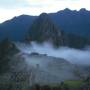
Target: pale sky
<point>11,8</point>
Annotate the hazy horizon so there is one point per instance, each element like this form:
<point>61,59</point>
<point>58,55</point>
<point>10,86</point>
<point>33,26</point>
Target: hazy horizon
<point>12,8</point>
<point>5,19</point>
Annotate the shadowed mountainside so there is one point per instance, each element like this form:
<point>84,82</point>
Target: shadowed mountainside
<point>76,22</point>
<point>43,29</point>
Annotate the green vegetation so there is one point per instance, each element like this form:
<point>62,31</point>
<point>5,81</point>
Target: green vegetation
<point>7,50</point>
<point>73,83</point>
<point>66,85</point>
<point>15,79</point>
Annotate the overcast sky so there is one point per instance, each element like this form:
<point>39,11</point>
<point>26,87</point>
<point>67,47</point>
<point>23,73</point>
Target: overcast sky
<point>11,8</point>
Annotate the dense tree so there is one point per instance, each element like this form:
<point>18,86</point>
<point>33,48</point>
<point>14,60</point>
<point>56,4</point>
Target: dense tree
<point>7,50</point>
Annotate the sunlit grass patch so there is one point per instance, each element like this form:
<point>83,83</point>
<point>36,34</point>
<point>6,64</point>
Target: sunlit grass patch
<point>73,83</point>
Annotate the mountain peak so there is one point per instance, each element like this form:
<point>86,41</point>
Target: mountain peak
<point>44,14</point>
<point>67,9</point>
<point>43,29</point>
<point>43,17</point>
<point>83,10</point>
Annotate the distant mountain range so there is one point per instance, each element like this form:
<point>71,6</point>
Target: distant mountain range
<point>44,30</point>
<point>76,22</point>
<point>7,50</point>
<point>69,21</point>
<point>16,28</point>
<point>72,23</point>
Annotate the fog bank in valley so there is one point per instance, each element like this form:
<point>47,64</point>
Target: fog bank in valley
<point>76,56</point>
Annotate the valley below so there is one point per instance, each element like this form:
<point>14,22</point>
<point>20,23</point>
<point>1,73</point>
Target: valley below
<point>43,65</point>
<point>52,66</point>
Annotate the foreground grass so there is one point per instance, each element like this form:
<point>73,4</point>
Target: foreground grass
<point>65,85</point>
<point>73,83</point>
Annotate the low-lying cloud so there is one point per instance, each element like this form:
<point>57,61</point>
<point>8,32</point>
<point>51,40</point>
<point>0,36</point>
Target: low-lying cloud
<point>75,56</point>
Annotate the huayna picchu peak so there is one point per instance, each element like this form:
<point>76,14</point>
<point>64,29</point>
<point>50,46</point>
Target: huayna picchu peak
<point>43,29</point>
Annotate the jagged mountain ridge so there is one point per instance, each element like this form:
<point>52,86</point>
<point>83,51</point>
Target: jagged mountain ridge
<point>43,29</point>
<point>75,22</point>
<point>71,21</point>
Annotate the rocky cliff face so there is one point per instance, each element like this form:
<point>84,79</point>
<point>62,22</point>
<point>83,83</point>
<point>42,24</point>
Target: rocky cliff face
<point>43,29</point>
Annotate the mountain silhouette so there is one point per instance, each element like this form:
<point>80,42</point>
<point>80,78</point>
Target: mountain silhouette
<point>70,21</point>
<point>16,28</point>
<point>43,29</point>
